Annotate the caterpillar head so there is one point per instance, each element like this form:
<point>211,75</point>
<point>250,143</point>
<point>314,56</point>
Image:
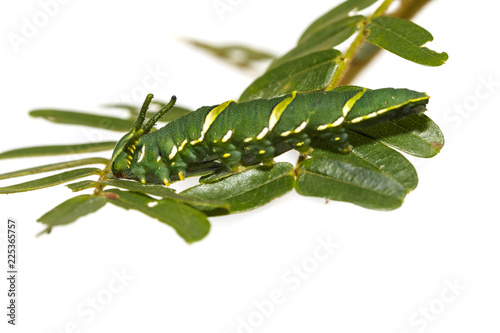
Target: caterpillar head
<point>123,153</point>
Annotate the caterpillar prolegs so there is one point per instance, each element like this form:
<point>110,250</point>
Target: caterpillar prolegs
<point>233,134</point>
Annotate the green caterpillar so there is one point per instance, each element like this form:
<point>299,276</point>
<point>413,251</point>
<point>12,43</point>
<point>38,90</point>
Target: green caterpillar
<point>240,134</point>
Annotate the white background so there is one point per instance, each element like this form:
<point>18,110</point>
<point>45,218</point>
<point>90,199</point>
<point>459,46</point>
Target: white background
<point>389,268</point>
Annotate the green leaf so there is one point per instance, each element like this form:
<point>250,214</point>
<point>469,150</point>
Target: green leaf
<point>84,119</point>
<point>225,172</point>
<point>372,154</point>
<point>158,190</point>
<point>165,192</point>
<point>83,185</point>
<point>341,181</point>
<point>348,88</point>
<point>52,167</point>
<point>71,210</point>
<point>202,168</point>
<point>58,150</point>
<point>189,223</point>
<point>323,39</point>
<point>405,39</point>
<point>220,174</point>
<point>311,72</point>
<point>336,14</point>
<point>246,190</point>
<point>416,135</point>
<point>50,181</point>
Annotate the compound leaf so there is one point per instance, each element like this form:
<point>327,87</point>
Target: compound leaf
<point>165,192</point>
<point>405,39</point>
<point>323,39</point>
<point>310,72</point>
<point>50,181</point>
<point>416,135</point>
<point>58,150</point>
<point>84,119</point>
<point>246,190</point>
<point>370,153</point>
<point>342,181</point>
<point>55,166</point>
<point>71,210</point>
<point>191,224</point>
<point>333,16</point>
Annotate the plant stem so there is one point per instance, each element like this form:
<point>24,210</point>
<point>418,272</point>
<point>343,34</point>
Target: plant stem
<point>345,60</point>
<point>406,11</point>
<point>103,177</point>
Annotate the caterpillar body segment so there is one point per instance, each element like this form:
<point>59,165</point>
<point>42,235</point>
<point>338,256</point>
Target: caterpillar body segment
<point>232,133</point>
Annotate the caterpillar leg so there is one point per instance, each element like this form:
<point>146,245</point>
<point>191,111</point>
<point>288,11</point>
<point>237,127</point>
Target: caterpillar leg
<point>264,151</point>
<point>163,173</point>
<point>230,156</point>
<point>337,140</point>
<point>179,167</point>
<point>139,171</point>
<point>301,143</point>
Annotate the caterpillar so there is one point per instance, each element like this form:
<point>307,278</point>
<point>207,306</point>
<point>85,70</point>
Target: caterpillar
<point>238,134</point>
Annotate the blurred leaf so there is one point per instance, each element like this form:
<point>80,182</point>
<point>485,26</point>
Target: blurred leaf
<point>52,167</point>
<point>372,154</point>
<point>323,39</point>
<point>58,150</point>
<point>239,55</point>
<point>336,14</point>
<point>415,134</point>
<point>84,119</point>
<point>50,181</point>
<point>133,110</point>
<point>189,223</point>
<point>164,192</point>
<point>405,39</point>
<point>71,210</point>
<point>174,113</point>
<point>246,190</point>
<point>341,181</point>
<point>83,185</point>
<point>311,72</point>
